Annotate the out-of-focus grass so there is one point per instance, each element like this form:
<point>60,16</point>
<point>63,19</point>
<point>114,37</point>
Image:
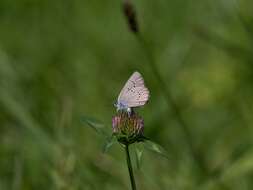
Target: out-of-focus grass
<point>60,60</point>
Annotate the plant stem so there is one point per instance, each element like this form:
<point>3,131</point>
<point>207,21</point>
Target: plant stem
<point>130,168</point>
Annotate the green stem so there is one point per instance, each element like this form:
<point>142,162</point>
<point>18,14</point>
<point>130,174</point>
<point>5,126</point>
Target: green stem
<point>130,168</point>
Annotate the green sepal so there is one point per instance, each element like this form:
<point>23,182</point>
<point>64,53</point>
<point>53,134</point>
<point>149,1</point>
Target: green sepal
<point>130,139</point>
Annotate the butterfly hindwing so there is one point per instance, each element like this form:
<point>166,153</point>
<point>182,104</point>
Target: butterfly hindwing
<point>139,98</point>
<point>134,93</point>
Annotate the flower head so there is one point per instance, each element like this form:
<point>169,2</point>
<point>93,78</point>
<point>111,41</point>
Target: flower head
<point>128,128</point>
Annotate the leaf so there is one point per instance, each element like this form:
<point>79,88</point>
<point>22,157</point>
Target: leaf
<point>100,128</point>
<point>138,154</point>
<point>95,124</point>
<point>154,147</point>
<point>108,143</point>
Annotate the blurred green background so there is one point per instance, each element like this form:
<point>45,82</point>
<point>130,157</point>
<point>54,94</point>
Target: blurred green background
<point>61,60</point>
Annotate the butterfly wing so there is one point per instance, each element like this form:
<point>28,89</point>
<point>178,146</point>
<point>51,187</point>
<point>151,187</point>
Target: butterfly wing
<point>134,93</point>
<point>138,97</point>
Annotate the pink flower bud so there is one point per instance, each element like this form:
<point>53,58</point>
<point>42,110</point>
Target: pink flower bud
<point>129,125</point>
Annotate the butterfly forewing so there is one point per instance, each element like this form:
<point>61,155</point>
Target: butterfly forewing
<point>134,93</point>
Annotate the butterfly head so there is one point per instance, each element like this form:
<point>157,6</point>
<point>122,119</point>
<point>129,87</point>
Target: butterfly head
<point>121,106</point>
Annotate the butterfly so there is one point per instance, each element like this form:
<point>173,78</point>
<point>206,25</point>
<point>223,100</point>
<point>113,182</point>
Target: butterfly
<point>133,94</point>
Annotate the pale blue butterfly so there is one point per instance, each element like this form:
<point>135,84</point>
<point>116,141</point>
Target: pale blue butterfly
<point>133,94</point>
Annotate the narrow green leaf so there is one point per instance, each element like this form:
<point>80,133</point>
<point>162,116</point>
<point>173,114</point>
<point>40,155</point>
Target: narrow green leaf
<point>95,124</point>
<point>108,143</point>
<point>100,128</point>
<point>154,147</point>
<point>138,154</point>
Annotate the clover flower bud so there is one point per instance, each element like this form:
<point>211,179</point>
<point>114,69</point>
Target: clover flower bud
<point>128,128</point>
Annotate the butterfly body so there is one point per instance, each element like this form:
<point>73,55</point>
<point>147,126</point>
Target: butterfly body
<point>133,94</point>
<point>123,107</point>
